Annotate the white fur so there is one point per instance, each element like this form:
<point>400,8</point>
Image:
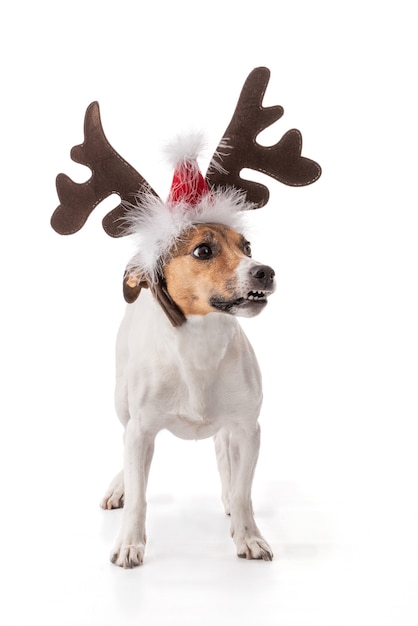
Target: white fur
<point>224,149</point>
<point>184,147</point>
<point>198,380</point>
<point>156,225</point>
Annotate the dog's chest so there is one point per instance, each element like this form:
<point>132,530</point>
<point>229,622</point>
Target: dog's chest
<point>196,378</point>
<point>218,380</point>
<point>214,360</point>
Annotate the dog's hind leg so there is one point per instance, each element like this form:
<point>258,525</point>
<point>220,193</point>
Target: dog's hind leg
<point>222,442</point>
<point>139,448</point>
<point>113,498</point>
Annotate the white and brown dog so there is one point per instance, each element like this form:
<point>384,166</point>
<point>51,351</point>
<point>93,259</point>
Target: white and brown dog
<point>183,361</point>
<point>198,380</point>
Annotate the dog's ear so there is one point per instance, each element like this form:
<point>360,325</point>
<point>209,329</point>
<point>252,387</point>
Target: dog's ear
<point>132,285</point>
<point>133,282</point>
<point>171,309</point>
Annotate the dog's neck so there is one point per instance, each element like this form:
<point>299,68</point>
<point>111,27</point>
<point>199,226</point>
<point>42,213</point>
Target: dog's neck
<point>205,338</point>
<point>201,341</point>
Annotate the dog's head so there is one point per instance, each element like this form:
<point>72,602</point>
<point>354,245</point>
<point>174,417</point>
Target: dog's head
<point>192,255</point>
<point>210,269</point>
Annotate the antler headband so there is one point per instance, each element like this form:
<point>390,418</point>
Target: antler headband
<point>221,196</point>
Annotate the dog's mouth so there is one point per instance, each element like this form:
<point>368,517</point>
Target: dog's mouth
<point>256,296</point>
<point>253,300</point>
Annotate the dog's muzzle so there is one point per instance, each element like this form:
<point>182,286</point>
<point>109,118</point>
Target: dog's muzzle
<point>259,284</point>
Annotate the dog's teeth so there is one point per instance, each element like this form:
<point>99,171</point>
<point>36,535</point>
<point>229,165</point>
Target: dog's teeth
<point>256,295</point>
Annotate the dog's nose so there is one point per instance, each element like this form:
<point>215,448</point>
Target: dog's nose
<point>264,274</point>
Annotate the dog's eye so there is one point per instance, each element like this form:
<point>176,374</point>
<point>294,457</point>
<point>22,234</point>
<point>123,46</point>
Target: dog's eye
<point>247,248</point>
<point>203,252</point>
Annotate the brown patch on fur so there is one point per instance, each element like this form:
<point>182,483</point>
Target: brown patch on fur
<point>191,281</point>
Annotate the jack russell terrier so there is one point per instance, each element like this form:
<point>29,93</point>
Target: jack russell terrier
<point>183,362</point>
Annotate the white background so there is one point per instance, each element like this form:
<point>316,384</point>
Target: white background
<point>335,489</point>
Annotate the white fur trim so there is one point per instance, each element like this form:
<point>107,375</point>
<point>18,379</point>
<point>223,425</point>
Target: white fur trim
<point>185,147</point>
<point>224,149</point>
<point>156,225</point>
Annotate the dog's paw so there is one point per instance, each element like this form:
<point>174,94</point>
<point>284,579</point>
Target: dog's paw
<point>254,548</point>
<point>128,556</point>
<point>113,498</point>
<point>112,501</point>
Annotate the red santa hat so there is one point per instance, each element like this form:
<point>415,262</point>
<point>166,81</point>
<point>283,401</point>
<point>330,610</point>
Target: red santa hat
<point>188,184</point>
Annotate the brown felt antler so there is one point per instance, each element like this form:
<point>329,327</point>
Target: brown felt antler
<point>239,148</point>
<point>110,174</point>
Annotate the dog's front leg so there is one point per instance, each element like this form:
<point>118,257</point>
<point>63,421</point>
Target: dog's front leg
<point>139,448</point>
<point>244,447</point>
<point>223,458</point>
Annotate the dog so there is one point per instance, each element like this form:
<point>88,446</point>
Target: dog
<point>183,361</point>
<point>197,381</point>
